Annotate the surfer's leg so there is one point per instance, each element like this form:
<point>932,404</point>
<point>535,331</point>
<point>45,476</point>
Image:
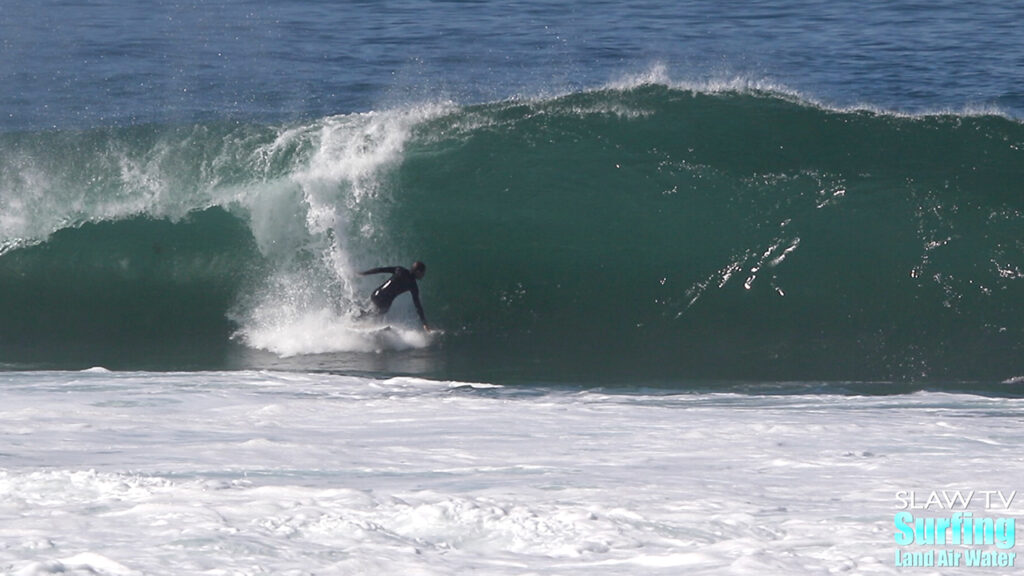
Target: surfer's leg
<point>374,310</point>
<point>380,305</point>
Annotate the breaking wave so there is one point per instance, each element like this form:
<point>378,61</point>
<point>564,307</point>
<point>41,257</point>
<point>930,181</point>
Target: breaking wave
<point>723,232</point>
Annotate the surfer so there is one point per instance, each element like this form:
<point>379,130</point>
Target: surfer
<point>402,280</point>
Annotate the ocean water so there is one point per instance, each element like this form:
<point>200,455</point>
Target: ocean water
<point>716,287</point>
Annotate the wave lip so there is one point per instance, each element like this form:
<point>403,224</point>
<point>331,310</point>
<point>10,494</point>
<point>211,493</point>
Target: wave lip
<point>658,75</point>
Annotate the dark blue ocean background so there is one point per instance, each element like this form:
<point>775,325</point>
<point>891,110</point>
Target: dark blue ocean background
<point>76,64</point>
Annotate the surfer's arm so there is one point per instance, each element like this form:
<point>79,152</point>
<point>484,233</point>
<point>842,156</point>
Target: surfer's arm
<point>381,270</point>
<point>419,307</point>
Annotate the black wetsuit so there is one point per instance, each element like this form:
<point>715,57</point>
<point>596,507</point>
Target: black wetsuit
<point>401,281</point>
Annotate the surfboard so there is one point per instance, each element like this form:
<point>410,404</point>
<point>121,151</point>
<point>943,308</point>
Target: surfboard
<point>384,337</point>
<point>391,337</point>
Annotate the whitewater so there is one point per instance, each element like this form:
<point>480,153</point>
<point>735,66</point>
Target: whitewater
<point>289,473</point>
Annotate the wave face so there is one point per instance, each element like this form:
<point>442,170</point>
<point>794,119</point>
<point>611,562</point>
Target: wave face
<point>642,232</point>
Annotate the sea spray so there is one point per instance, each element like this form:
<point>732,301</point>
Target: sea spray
<point>321,225</point>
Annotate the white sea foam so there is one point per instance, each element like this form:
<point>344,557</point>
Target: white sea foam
<point>322,331</point>
<point>247,472</point>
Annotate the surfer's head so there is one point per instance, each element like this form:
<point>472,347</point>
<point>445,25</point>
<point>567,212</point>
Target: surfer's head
<point>419,269</point>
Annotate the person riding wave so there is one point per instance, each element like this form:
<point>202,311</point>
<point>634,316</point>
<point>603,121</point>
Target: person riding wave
<point>402,280</point>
